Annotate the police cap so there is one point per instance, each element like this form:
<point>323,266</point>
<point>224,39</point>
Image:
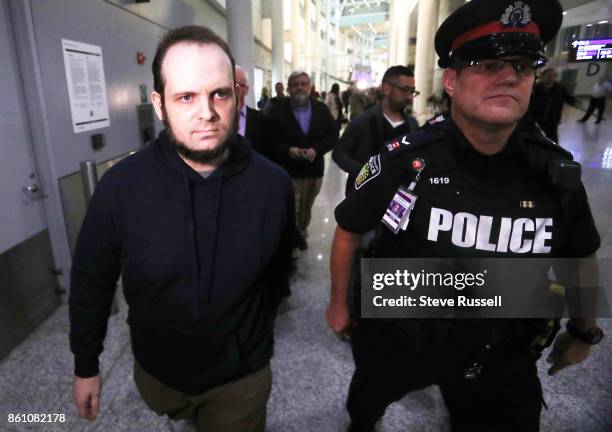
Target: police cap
<point>484,29</point>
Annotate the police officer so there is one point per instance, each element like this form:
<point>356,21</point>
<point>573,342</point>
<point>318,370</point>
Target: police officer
<point>476,164</point>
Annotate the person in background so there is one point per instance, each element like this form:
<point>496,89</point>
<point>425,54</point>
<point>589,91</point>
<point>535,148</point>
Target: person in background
<point>304,131</point>
<point>334,103</point>
<point>546,105</point>
<point>367,133</point>
<point>358,102</point>
<point>597,100</point>
<point>263,99</point>
<point>314,94</point>
<point>279,89</point>
<point>346,100</point>
<point>253,124</point>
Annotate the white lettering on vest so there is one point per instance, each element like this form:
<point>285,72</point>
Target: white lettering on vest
<point>522,235</point>
<point>517,244</point>
<point>464,229</point>
<point>439,220</point>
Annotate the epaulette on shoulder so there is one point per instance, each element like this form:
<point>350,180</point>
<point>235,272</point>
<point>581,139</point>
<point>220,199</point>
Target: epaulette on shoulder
<point>435,120</point>
<point>412,141</point>
<point>548,145</point>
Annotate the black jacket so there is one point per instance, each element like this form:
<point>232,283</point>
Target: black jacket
<point>322,136</point>
<point>259,133</point>
<point>203,262</point>
<point>365,136</point>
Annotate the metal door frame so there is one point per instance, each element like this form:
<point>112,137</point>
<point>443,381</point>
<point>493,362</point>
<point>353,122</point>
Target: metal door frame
<point>20,13</point>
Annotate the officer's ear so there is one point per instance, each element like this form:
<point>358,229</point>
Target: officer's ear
<point>449,79</point>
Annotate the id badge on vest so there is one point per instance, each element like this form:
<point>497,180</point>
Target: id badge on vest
<point>397,215</point>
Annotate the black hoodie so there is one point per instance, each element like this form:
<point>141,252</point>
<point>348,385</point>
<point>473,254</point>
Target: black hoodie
<point>204,263</point>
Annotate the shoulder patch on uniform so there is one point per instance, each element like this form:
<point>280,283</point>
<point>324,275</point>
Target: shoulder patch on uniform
<point>435,121</point>
<point>369,171</point>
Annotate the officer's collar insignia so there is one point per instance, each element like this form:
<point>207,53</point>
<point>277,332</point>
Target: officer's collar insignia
<point>527,204</point>
<point>418,164</point>
<point>516,15</point>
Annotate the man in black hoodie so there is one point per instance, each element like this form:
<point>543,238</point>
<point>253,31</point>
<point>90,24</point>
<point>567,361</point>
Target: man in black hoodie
<point>200,228</point>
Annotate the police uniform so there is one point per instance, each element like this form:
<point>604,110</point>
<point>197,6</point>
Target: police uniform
<point>469,205</point>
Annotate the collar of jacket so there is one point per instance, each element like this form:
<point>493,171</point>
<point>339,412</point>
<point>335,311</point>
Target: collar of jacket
<point>461,147</point>
<point>237,161</point>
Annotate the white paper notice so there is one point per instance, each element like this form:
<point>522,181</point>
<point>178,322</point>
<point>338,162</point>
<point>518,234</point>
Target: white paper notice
<point>86,85</point>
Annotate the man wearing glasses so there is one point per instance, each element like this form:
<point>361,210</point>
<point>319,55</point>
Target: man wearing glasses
<point>367,132</point>
<point>475,175</point>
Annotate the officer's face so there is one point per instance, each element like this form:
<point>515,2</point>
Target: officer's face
<point>487,97</point>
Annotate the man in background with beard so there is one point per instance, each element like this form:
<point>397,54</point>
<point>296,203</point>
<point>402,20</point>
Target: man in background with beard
<point>305,130</point>
<point>367,133</point>
<point>201,280</point>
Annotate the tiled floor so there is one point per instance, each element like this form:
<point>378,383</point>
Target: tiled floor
<point>311,367</point>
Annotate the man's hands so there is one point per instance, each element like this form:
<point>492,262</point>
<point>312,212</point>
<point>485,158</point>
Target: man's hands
<point>297,153</point>
<point>338,318</point>
<point>86,395</point>
<point>567,351</point>
<point>343,249</point>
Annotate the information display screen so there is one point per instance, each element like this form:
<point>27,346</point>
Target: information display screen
<point>591,50</point>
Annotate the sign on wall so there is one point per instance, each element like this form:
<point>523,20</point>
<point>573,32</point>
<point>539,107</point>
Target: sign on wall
<point>86,85</point>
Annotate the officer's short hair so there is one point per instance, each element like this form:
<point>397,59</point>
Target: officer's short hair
<point>396,71</point>
<point>188,34</point>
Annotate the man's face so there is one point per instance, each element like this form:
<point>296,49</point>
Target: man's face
<point>280,89</point>
<point>489,98</point>
<point>398,92</point>
<point>299,90</point>
<point>242,84</point>
<point>549,77</point>
<point>199,103</point>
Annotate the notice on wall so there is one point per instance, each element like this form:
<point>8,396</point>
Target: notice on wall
<point>86,85</point>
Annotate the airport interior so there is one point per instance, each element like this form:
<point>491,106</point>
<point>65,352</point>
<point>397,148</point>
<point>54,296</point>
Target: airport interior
<point>54,147</point>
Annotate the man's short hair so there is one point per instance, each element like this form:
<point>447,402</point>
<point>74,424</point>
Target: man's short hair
<point>396,71</point>
<point>193,34</point>
<point>246,74</point>
<point>296,74</point>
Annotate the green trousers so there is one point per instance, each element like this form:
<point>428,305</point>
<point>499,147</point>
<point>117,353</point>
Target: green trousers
<point>238,406</point>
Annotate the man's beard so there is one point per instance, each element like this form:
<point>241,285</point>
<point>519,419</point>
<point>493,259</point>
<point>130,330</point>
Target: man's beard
<point>398,107</point>
<point>300,99</point>
<point>200,156</point>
